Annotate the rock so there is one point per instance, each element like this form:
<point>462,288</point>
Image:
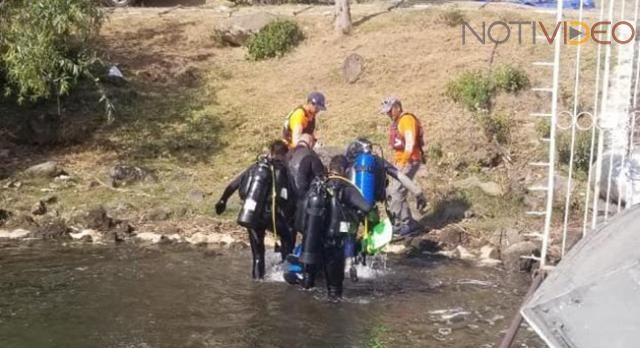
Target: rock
<point>504,238</point>
<point>121,230</point>
<point>87,235</point>
<point>122,175</point>
<point>491,188</point>
<point>188,76</point>
<point>49,169</point>
<point>24,221</point>
<point>215,238</point>
<point>50,199</point>
<point>120,210</point>
<point>450,237</point>
<point>52,228</point>
<point>489,252</point>
<point>512,256</point>
<point>352,67</point>
<point>4,216</point>
<point>176,238</point>
<point>237,30</point>
<point>464,254</point>
<point>159,214</point>
<point>15,234</point>
<point>422,244</point>
<point>150,237</point>
<point>196,196</point>
<point>39,208</point>
<point>5,153</point>
<point>395,248</point>
<point>180,211</point>
<point>96,219</point>
<point>488,262</point>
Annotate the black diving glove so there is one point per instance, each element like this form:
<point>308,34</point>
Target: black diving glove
<point>221,206</point>
<point>421,202</point>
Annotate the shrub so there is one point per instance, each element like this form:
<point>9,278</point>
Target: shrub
<point>581,152</point>
<point>43,45</point>
<point>452,18</point>
<point>435,152</point>
<point>582,145</point>
<point>473,89</point>
<point>496,126</point>
<point>510,79</point>
<point>275,39</point>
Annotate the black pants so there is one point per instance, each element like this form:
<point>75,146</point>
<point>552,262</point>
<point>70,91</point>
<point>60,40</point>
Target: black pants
<point>334,262</point>
<point>256,239</point>
<point>287,238</point>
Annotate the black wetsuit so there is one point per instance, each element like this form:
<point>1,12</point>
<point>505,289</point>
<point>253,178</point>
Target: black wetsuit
<point>284,212</point>
<point>351,202</point>
<point>303,165</point>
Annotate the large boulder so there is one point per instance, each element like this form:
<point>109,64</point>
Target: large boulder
<point>352,68</point>
<point>98,219</point>
<point>122,175</point>
<point>513,256</point>
<point>52,228</point>
<point>238,29</point>
<point>49,169</point>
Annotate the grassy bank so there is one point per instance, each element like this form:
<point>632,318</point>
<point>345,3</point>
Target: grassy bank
<point>197,113</point>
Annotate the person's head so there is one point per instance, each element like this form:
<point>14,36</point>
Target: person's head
<point>391,107</point>
<point>358,146</point>
<point>315,103</point>
<point>307,140</point>
<point>339,165</point>
<point>278,149</point>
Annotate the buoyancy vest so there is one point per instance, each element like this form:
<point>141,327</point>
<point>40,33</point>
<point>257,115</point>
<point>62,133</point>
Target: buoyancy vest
<point>397,141</point>
<point>308,127</point>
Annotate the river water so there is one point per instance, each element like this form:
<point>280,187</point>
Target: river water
<point>135,297</point>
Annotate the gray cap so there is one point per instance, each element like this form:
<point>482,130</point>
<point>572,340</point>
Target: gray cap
<point>388,103</point>
<point>317,99</point>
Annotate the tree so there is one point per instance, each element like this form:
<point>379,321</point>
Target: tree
<point>45,46</point>
<point>343,17</point>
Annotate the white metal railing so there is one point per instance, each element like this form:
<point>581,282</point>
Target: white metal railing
<point>609,188</point>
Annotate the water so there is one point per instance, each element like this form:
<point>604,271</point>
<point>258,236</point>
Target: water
<point>133,297</point>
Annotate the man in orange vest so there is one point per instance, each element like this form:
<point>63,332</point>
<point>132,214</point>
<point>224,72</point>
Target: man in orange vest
<point>302,120</point>
<point>406,140</point>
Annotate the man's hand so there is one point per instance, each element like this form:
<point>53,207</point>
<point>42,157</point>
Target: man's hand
<point>421,202</point>
<point>221,206</point>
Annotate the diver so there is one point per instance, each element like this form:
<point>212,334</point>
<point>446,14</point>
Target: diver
<point>303,166</point>
<point>332,209</point>
<point>267,204</point>
<point>346,209</point>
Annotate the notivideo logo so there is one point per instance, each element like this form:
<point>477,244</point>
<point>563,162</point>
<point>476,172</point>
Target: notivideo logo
<point>570,32</point>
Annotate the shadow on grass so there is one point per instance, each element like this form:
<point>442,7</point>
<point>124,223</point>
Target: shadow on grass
<point>448,209</point>
<point>168,122</point>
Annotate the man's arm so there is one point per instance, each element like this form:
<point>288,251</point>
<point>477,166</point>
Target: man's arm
<point>354,199</point>
<point>407,128</point>
<point>395,173</point>
<point>234,185</point>
<point>296,124</point>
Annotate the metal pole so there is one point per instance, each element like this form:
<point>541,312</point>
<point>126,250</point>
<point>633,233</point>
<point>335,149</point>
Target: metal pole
<point>512,331</point>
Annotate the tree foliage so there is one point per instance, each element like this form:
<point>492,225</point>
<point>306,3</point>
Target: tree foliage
<point>45,46</point>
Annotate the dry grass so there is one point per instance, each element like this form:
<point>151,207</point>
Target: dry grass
<point>200,137</point>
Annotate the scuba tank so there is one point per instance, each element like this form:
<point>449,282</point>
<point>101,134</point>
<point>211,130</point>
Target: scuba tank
<point>341,221</point>
<point>364,175</point>
<point>258,187</point>
<point>315,209</point>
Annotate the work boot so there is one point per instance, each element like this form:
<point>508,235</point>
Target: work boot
<point>334,293</point>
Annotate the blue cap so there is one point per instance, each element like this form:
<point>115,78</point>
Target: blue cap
<point>317,99</point>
